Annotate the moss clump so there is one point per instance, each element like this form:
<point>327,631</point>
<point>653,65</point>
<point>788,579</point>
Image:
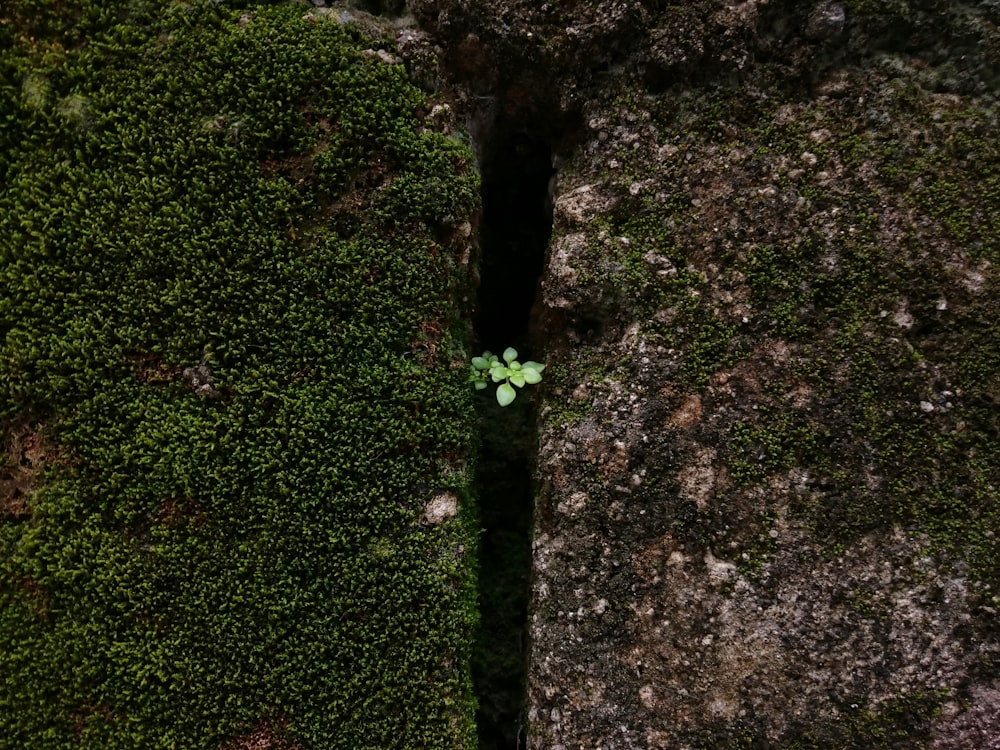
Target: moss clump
<point>900,722</point>
<point>229,271</point>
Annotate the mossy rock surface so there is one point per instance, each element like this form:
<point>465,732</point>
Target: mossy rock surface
<point>234,500</point>
<point>769,455</point>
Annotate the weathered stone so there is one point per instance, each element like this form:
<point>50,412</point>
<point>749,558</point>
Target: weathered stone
<point>768,460</point>
<point>826,21</point>
<point>440,508</point>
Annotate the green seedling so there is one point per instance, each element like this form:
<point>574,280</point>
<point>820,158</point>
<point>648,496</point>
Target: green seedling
<point>508,374</point>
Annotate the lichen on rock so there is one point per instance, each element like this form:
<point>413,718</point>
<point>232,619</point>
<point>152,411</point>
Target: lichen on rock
<point>768,504</point>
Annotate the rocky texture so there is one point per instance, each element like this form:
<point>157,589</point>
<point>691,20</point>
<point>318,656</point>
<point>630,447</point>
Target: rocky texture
<point>769,443</point>
<point>768,438</point>
<point>976,726</point>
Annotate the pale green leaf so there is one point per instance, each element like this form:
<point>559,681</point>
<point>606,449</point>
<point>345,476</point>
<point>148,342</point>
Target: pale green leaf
<point>505,394</point>
<point>531,375</point>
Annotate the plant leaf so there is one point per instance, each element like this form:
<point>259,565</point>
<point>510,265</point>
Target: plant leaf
<point>531,376</point>
<point>480,384</point>
<point>517,378</point>
<point>480,363</point>
<point>536,366</point>
<point>505,394</point>
<point>499,373</point>
<point>509,354</point>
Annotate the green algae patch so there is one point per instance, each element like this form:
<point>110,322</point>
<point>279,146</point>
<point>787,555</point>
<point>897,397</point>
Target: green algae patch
<point>234,506</point>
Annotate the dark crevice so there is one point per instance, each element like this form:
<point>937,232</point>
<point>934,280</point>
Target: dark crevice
<point>385,8</point>
<point>514,233</point>
<point>505,480</point>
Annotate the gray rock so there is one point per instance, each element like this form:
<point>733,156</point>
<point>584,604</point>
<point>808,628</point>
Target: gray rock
<point>758,524</point>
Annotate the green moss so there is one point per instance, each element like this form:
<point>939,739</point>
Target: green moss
<point>901,721</point>
<point>561,378</point>
<point>775,444</point>
<point>868,266</point>
<point>905,405</point>
<point>196,567</point>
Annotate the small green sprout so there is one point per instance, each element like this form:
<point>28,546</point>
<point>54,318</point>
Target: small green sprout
<point>508,373</point>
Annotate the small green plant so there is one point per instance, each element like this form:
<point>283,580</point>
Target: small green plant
<point>508,373</point>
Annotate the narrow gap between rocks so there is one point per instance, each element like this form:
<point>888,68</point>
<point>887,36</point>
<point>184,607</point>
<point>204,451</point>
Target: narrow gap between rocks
<point>514,233</point>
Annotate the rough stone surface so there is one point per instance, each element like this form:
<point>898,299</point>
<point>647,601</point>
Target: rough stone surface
<point>978,726</point>
<point>768,459</point>
<point>440,508</point>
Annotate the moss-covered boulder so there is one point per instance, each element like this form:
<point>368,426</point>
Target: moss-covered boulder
<point>771,504</point>
<point>234,499</point>
<point>768,504</point>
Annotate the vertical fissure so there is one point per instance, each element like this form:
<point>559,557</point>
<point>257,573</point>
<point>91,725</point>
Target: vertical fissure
<point>514,234</point>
